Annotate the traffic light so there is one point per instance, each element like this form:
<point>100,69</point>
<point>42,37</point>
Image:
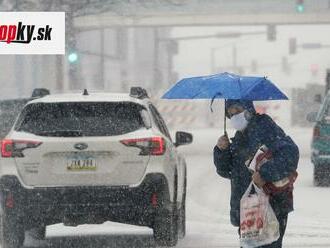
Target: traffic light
<point>285,65</point>
<point>72,57</point>
<point>300,6</point>
<point>271,32</point>
<point>292,46</point>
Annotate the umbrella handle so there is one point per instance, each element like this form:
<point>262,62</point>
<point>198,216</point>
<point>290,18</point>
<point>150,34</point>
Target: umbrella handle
<point>225,121</point>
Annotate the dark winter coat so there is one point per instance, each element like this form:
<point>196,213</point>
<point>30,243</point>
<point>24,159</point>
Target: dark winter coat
<point>230,163</point>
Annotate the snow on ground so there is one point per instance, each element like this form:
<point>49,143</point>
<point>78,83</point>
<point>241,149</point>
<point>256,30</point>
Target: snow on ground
<point>208,211</point>
<point>208,196</point>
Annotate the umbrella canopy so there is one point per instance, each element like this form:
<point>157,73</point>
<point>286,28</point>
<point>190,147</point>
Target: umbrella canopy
<point>226,86</point>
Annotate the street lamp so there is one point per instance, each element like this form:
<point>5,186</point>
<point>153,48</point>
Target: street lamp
<point>157,76</point>
<point>234,66</point>
<point>228,35</point>
<point>314,45</point>
<point>307,46</point>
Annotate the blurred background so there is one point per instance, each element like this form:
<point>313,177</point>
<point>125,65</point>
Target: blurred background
<point>112,45</point>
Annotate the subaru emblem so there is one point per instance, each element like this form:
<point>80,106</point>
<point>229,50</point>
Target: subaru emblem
<point>81,146</point>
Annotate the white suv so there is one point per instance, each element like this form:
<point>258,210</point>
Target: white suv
<point>88,158</point>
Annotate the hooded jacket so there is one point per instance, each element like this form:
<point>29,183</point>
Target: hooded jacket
<point>230,163</point>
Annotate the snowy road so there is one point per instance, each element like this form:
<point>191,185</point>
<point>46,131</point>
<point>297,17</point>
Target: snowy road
<point>208,216</point>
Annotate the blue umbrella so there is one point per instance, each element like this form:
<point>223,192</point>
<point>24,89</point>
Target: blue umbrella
<point>225,86</point>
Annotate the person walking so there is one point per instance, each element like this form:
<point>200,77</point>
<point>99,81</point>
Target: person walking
<point>230,157</point>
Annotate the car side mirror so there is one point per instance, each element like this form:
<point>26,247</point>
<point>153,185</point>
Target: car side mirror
<point>318,98</point>
<point>311,117</point>
<point>183,138</point>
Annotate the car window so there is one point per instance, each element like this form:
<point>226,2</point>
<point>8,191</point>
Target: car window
<point>159,121</point>
<point>81,119</point>
<point>9,110</point>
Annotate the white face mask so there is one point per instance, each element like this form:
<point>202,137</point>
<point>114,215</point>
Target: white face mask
<point>239,121</point>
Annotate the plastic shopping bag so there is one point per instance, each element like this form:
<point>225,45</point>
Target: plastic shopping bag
<point>258,223</point>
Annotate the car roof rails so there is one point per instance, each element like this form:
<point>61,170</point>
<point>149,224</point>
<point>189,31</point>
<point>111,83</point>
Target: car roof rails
<point>138,92</point>
<point>40,92</point>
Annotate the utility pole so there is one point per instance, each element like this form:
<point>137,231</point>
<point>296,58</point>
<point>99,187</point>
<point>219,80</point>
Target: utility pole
<point>235,69</point>
<point>293,45</point>
<point>213,49</point>
<point>102,60</point>
<point>271,32</point>
<point>285,65</point>
<point>254,66</point>
<point>157,76</point>
<point>71,49</point>
<point>19,70</point>
<point>59,72</point>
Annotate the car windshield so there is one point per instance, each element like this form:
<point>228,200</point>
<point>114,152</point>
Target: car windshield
<point>69,119</point>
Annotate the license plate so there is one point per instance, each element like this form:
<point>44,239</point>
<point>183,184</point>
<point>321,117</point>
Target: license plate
<point>81,164</point>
